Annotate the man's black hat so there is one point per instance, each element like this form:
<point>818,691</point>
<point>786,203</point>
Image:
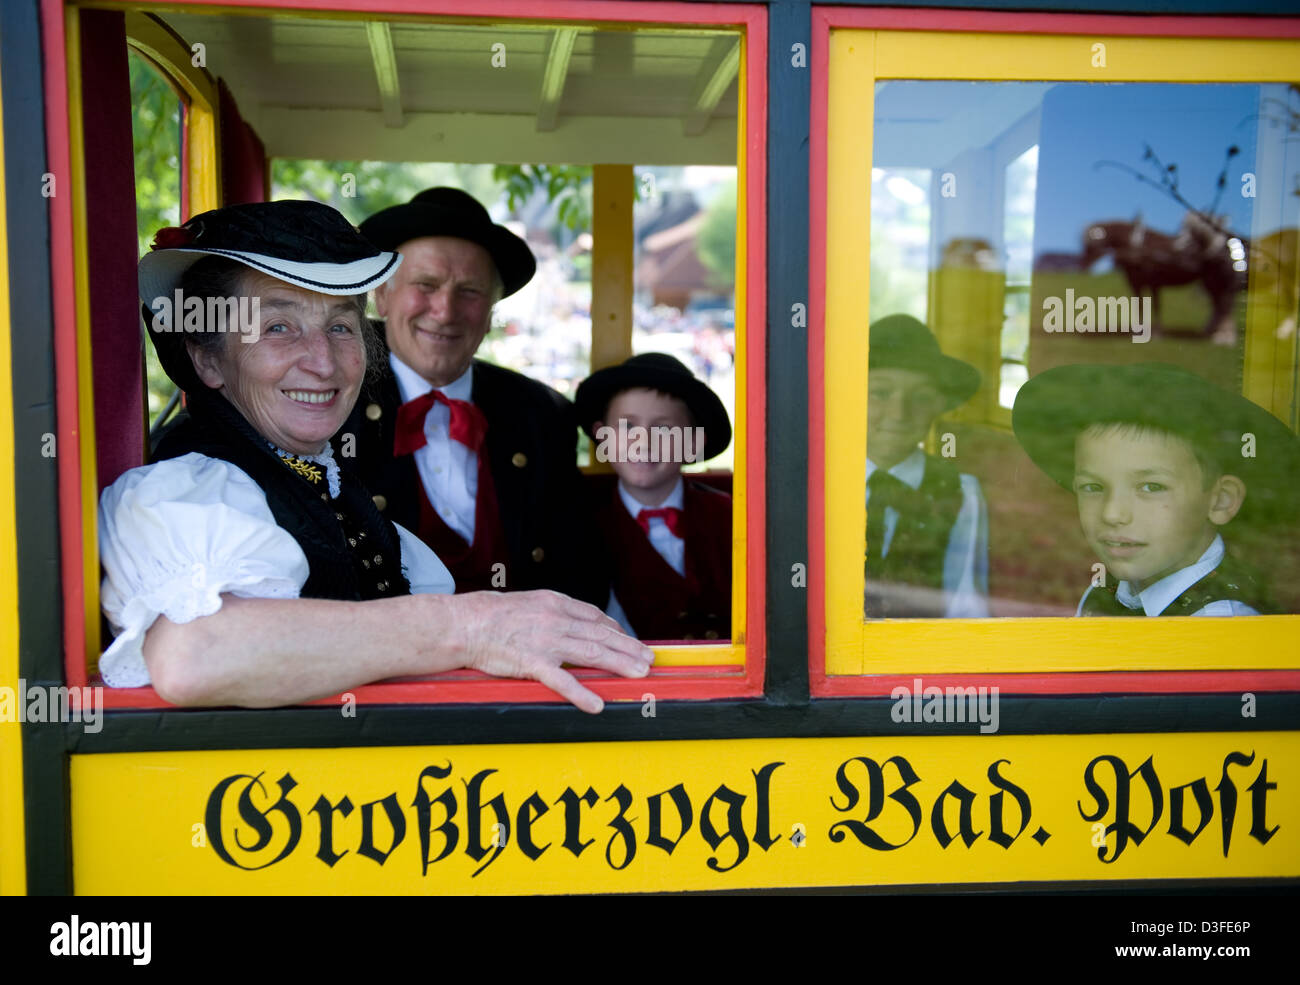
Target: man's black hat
<point>1237,435</point>
<point>903,342</point>
<point>655,371</point>
<point>452,212</point>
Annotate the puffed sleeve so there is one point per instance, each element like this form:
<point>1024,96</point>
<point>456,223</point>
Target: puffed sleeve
<point>172,538</point>
<point>423,568</point>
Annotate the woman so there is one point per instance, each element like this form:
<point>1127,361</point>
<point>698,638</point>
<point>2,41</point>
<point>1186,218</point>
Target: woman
<point>245,567</point>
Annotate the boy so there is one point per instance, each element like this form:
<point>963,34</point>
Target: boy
<point>669,539</point>
<point>927,523</point>
<point>1160,461</point>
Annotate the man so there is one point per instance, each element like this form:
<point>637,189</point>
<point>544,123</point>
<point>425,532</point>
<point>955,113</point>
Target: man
<point>927,524</point>
<point>479,460</point>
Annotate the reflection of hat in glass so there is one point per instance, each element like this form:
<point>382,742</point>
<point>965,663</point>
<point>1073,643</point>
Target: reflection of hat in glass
<point>1056,405</point>
<point>656,371</point>
<point>903,342</point>
<point>452,212</point>
<point>306,244</point>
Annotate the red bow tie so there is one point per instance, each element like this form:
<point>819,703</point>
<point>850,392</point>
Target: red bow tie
<point>670,515</point>
<point>468,425</point>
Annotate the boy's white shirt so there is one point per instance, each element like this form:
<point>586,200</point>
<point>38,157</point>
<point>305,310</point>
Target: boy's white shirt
<point>670,547</point>
<point>966,561</point>
<point>448,470</point>
<point>1155,598</point>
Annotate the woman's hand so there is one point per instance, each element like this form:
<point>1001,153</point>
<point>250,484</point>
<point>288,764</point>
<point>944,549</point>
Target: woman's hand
<point>533,634</point>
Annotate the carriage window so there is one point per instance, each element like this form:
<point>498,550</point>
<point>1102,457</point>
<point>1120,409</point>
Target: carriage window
<point>578,137</point>
<point>1076,365</point>
<point>1067,236</point>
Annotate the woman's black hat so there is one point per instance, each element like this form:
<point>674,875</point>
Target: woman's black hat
<point>656,371</point>
<point>903,342</point>
<point>1237,435</point>
<point>306,244</point>
<point>452,212</point>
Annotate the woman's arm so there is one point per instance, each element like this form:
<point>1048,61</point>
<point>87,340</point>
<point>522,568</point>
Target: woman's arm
<point>261,653</point>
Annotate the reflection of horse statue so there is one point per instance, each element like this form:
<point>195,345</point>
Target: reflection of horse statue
<point>1201,251</point>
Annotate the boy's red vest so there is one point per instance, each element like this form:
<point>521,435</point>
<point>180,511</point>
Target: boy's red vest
<point>661,604</point>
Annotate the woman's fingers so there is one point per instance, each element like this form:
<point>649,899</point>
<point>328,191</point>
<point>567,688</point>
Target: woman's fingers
<point>533,634</point>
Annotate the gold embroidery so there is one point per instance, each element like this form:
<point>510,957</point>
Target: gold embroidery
<point>312,473</point>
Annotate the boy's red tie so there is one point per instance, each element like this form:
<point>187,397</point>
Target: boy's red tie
<point>468,425</point>
<point>670,515</point>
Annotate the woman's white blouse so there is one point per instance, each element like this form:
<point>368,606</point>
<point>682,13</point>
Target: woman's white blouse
<point>176,535</point>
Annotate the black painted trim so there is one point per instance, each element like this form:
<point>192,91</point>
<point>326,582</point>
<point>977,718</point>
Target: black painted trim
<point>40,615</point>
<point>291,728</point>
<point>789,100</point>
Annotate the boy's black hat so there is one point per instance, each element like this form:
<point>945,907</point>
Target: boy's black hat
<point>656,371</point>
<point>452,212</point>
<point>1054,406</point>
<point>903,342</point>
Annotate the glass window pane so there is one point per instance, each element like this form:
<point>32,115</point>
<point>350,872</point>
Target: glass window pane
<point>1058,240</point>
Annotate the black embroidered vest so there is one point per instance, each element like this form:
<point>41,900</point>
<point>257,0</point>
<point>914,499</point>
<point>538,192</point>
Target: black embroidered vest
<point>1231,581</point>
<point>919,545</point>
<point>353,553</point>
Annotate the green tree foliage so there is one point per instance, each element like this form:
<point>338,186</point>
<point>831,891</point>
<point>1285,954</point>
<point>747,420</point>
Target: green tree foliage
<point>716,241</point>
<point>359,189</point>
<point>566,185</point>
<point>156,139</point>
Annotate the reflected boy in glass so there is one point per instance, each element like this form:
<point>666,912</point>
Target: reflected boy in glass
<point>1160,462</point>
<point>927,523</point>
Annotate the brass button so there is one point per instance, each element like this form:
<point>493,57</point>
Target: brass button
<point>383,586</point>
<point>374,411</point>
<point>712,634</point>
<point>365,564</point>
<point>324,497</point>
<point>339,517</point>
<point>361,535</point>
<point>538,554</point>
<point>352,542</point>
<point>379,559</point>
<point>381,502</point>
<point>519,460</point>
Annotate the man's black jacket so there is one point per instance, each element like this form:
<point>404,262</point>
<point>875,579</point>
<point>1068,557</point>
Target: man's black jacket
<point>531,447</point>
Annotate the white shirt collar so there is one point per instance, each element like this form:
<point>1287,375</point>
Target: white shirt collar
<point>673,499</point>
<point>1154,599</point>
<point>910,470</point>
<point>411,384</point>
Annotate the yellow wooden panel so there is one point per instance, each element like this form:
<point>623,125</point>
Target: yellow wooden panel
<point>848,240</point>
<point>85,356</point>
<point>13,865</point>
<point>1084,57</point>
<point>740,428</point>
<point>613,192</point>
<point>739,814</point>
